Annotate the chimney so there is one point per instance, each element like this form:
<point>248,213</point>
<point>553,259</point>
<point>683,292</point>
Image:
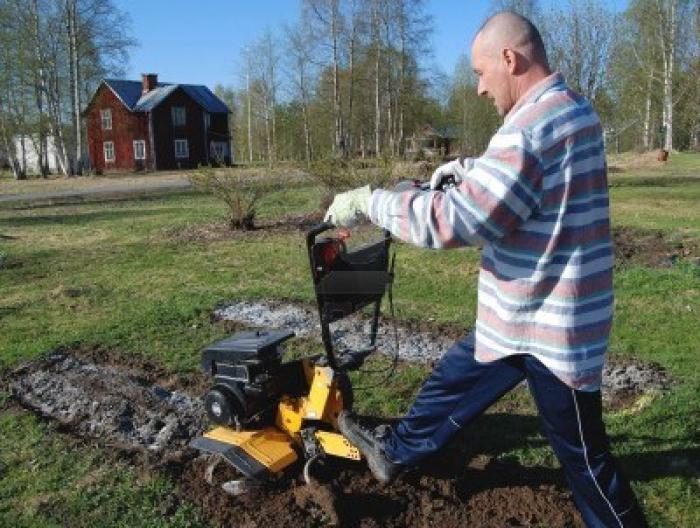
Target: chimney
<point>149,81</point>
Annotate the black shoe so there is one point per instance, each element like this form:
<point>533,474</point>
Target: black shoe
<point>371,445</point>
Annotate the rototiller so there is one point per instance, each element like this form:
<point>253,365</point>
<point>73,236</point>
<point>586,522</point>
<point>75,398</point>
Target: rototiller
<point>268,413</point>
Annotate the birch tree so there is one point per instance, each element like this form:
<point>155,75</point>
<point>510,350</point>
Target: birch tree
<point>655,64</point>
<point>579,36</point>
<point>265,63</point>
<point>326,14</point>
<point>301,58</point>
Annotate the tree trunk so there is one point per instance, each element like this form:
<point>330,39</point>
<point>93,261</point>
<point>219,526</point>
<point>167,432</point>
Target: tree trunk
<point>307,134</point>
<point>72,15</point>
<point>9,147</point>
<point>389,116</point>
<point>267,132</point>
<point>273,151</point>
<point>41,143</point>
<point>250,129</point>
<point>50,90</point>
<point>646,139</point>
<point>350,140</point>
<point>668,46</point>
<point>39,90</point>
<point>339,146</point>
<point>377,58</point>
<point>402,90</point>
<point>53,98</point>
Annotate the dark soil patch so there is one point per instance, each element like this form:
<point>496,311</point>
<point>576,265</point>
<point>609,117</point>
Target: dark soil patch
<point>481,493</point>
<point>485,494</point>
<point>101,395</point>
<point>147,415</point>
<point>451,493</point>
<point>650,248</point>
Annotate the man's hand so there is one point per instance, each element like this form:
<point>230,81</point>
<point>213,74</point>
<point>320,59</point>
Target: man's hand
<point>457,168</point>
<point>348,207</point>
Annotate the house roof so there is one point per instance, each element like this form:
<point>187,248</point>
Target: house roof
<point>449,132</point>
<point>130,94</point>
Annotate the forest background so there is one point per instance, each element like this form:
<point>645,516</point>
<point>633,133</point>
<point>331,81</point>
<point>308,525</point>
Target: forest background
<point>348,78</point>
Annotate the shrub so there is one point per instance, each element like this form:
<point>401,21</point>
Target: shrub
<point>240,191</point>
<point>338,174</point>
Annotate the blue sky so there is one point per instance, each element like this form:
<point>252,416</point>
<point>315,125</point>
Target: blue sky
<point>201,42</point>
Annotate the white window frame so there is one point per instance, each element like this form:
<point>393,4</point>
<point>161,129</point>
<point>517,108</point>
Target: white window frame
<point>139,143</point>
<point>109,146</point>
<point>181,153</point>
<point>207,120</point>
<point>214,147</point>
<point>178,115</point>
<point>106,118</point>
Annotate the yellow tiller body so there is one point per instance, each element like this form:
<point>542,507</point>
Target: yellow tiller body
<point>270,413</point>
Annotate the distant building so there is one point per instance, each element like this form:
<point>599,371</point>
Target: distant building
<point>27,153</point>
<point>147,125</point>
<point>432,142</point>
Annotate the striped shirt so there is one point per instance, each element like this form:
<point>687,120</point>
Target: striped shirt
<point>537,202</point>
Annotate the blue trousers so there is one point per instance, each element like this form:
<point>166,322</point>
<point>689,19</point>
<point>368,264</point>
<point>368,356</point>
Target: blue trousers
<point>460,389</point>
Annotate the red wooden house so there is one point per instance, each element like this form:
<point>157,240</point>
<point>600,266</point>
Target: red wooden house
<point>134,126</point>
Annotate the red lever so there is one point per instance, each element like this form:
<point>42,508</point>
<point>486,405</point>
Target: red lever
<point>330,251</point>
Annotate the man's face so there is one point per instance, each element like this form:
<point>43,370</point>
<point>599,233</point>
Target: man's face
<point>494,77</point>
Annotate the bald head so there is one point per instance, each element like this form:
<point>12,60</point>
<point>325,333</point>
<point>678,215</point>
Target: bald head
<point>509,58</point>
<point>508,29</point>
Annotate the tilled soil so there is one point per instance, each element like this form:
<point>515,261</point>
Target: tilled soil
<point>651,248</point>
<point>134,406</point>
<point>484,494</point>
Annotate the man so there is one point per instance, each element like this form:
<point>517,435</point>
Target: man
<point>537,202</point>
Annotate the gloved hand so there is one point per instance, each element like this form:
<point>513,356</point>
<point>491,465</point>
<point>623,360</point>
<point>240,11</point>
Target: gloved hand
<point>457,168</point>
<point>348,207</point>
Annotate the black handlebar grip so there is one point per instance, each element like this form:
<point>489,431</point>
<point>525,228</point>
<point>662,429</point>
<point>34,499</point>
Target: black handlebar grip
<point>317,230</point>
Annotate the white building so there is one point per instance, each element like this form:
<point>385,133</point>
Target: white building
<point>27,152</point>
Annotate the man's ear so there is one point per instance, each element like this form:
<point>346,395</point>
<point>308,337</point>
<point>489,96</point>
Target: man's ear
<point>511,60</point>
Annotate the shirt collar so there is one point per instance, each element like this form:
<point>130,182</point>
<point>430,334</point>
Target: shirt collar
<point>535,92</point>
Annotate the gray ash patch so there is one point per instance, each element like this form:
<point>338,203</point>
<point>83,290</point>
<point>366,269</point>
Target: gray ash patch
<point>622,378</point>
<point>102,402</point>
<point>349,333</point>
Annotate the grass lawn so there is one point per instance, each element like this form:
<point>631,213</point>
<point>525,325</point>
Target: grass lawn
<point>116,274</point>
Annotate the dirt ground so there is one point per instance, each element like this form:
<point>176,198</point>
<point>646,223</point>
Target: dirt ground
<point>135,407</point>
<point>484,493</point>
<point>634,160</point>
<point>650,248</point>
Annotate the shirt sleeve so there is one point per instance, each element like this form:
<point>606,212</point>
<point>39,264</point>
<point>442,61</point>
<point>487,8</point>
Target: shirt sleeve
<point>500,192</point>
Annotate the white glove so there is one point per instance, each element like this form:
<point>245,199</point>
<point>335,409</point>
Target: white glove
<point>348,207</point>
<point>457,168</point>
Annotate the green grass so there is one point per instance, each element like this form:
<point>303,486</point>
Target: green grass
<point>46,481</point>
<point>663,197</point>
<point>114,274</point>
